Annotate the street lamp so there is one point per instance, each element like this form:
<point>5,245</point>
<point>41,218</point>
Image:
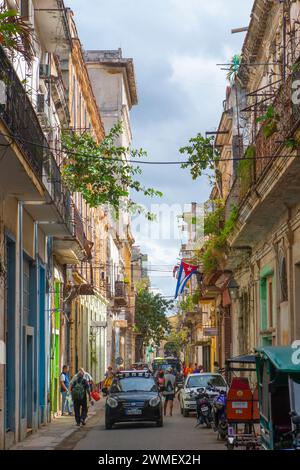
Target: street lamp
<point>233,288</point>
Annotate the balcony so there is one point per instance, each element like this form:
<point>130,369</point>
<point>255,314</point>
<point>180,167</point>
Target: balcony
<point>274,182</point>
<point>121,296</point>
<point>76,247</point>
<point>29,170</point>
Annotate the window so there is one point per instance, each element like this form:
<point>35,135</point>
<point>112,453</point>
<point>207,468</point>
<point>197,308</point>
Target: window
<point>270,302</point>
<point>283,279</point>
<point>266,302</point>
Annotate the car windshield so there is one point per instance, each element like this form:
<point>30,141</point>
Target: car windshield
<point>203,381</point>
<point>135,384</point>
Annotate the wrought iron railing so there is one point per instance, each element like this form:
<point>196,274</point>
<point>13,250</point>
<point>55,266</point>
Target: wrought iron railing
<point>269,149</point>
<point>121,292</point>
<point>21,119</point>
<point>79,233</point>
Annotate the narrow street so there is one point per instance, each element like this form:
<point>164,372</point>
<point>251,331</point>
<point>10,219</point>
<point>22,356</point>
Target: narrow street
<point>178,433</point>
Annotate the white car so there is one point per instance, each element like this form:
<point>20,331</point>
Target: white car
<point>194,382</point>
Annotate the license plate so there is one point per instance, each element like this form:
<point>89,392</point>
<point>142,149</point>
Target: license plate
<point>240,404</point>
<point>133,412</point>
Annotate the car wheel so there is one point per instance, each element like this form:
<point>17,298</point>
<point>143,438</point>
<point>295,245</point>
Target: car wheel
<point>185,413</point>
<point>108,425</point>
<point>160,423</point>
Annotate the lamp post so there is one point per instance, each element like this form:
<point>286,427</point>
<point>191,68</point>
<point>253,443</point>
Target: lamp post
<point>233,288</point>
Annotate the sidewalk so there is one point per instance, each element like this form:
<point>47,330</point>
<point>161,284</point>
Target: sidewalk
<point>51,435</point>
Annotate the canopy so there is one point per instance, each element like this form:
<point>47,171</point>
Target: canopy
<point>284,358</point>
<point>233,364</point>
<point>245,359</point>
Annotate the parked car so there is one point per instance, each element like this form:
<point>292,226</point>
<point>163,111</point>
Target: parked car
<point>193,382</point>
<point>133,397</point>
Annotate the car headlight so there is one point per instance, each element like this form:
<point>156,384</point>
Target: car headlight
<point>154,401</point>
<point>112,403</point>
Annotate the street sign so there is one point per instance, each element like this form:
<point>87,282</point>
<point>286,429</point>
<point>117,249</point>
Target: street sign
<point>210,331</point>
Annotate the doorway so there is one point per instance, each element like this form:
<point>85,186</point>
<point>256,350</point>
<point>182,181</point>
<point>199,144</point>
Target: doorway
<point>10,336</point>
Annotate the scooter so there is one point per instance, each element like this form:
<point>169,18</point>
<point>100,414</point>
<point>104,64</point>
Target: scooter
<point>219,415</point>
<point>204,408</point>
<point>296,431</point>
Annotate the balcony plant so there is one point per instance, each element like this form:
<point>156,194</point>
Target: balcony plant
<point>16,35</point>
<point>213,253</point>
<point>269,121</point>
<point>245,170</point>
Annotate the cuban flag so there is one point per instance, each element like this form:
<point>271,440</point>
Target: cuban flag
<point>186,270</point>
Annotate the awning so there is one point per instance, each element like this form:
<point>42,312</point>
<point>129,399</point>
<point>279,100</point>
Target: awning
<point>284,358</point>
<point>241,363</point>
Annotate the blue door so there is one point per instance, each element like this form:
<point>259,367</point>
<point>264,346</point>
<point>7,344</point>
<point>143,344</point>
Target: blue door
<point>42,346</point>
<point>10,336</point>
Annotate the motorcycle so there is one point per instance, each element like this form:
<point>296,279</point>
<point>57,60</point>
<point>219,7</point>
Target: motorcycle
<point>204,408</point>
<point>219,415</point>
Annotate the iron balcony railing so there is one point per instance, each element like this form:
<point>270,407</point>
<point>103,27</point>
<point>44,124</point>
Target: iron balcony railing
<point>267,149</point>
<point>121,293</point>
<point>79,233</point>
<point>19,116</point>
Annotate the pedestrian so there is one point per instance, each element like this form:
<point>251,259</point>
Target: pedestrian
<point>108,381</point>
<point>89,379</point>
<point>161,380</point>
<point>64,380</point>
<point>80,388</point>
<point>217,369</point>
<point>169,391</point>
<point>109,370</point>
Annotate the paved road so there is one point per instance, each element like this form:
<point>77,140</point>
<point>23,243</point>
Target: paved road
<point>178,433</point>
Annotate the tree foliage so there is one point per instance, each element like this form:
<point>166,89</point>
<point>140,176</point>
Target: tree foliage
<point>151,321</point>
<point>176,342</point>
<point>201,155</point>
<point>102,172</point>
<point>16,34</point>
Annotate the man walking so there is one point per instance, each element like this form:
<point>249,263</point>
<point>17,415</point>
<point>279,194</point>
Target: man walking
<point>80,388</point>
<point>64,380</point>
<point>169,393</point>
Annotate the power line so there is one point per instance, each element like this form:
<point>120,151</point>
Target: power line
<point>144,162</point>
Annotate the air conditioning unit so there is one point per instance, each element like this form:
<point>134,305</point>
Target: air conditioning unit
<point>27,11</point>
<point>41,103</point>
<point>42,109</point>
<point>44,71</point>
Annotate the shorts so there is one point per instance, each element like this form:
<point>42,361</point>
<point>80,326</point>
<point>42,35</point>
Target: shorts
<point>170,397</point>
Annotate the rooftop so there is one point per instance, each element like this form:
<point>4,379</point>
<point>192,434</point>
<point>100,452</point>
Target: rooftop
<point>115,59</point>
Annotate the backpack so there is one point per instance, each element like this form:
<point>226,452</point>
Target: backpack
<point>78,391</point>
<point>169,387</point>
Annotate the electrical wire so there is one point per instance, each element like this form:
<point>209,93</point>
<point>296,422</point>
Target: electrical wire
<point>143,162</point>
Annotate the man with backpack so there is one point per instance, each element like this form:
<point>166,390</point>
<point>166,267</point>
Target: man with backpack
<point>80,388</point>
<point>169,390</point>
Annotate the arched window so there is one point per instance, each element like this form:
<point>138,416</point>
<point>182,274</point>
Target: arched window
<point>283,278</point>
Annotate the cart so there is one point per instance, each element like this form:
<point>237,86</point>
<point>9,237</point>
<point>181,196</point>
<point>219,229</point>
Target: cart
<point>242,408</point>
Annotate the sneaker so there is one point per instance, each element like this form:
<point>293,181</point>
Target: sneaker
<point>70,414</point>
<point>83,422</point>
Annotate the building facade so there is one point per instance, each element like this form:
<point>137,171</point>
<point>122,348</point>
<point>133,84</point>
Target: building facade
<point>114,85</point>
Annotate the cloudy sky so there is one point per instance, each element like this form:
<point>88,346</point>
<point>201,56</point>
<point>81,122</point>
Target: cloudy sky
<point>175,45</point>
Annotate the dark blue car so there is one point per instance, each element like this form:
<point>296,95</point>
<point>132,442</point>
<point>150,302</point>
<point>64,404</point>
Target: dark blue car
<point>133,397</point>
